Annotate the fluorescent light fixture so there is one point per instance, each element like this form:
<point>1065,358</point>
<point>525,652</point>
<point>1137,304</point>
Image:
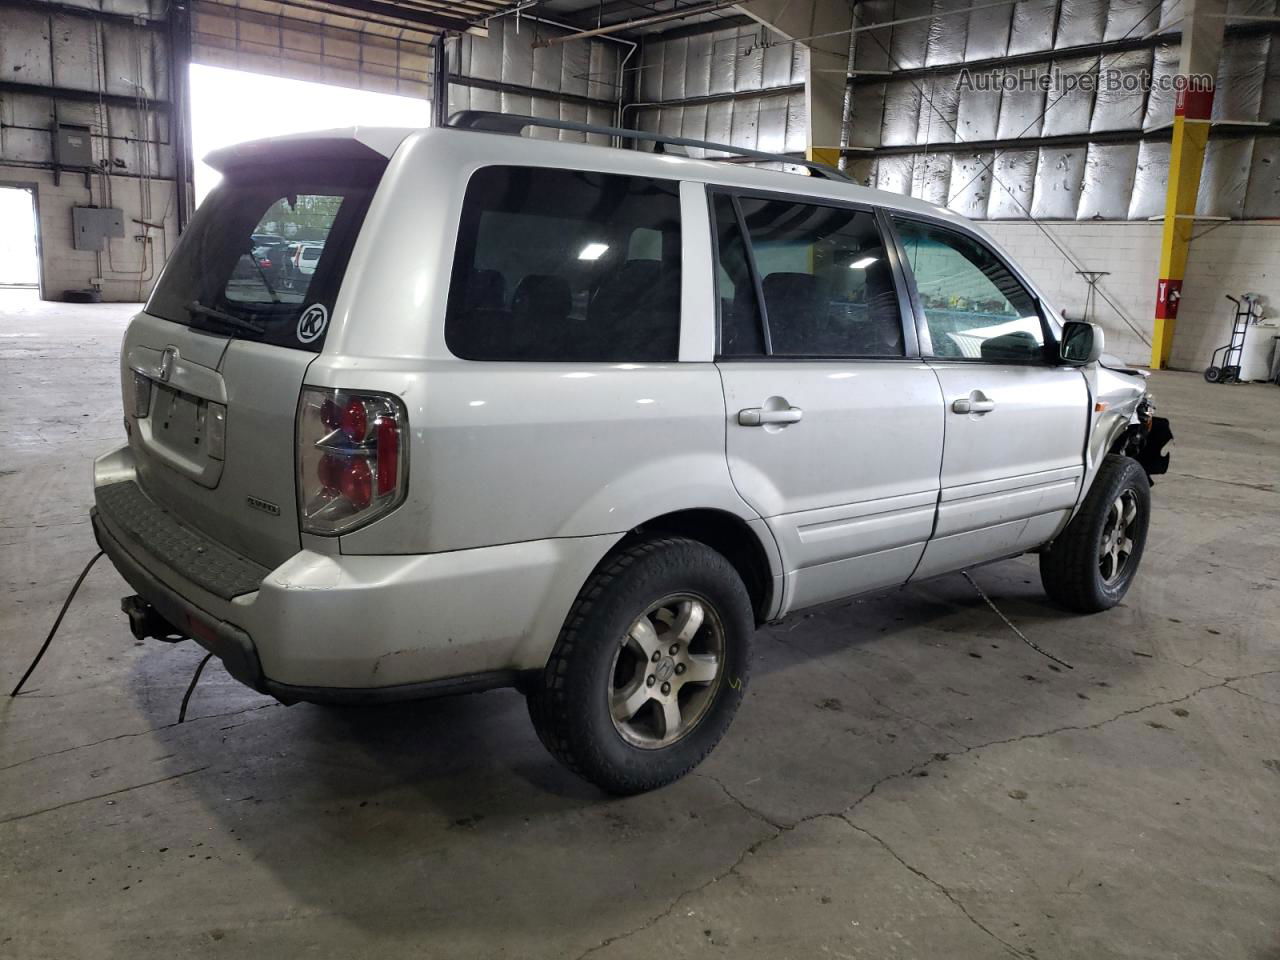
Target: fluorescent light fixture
<point>593,251</point>
<point>863,263</point>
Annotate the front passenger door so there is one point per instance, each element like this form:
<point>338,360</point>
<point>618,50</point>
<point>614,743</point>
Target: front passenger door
<point>1016,421</point>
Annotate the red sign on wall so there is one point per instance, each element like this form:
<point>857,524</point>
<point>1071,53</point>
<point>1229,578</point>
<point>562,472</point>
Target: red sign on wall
<point>1168,293</point>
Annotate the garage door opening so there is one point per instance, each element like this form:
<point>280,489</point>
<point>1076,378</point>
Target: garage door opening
<point>19,244</point>
<point>232,106</point>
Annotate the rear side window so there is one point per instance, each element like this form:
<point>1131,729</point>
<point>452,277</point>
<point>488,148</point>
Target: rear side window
<point>826,280</point>
<point>235,271</point>
<point>566,265</point>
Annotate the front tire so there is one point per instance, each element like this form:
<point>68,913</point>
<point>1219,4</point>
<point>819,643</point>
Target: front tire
<point>649,668</point>
<point>1091,564</point>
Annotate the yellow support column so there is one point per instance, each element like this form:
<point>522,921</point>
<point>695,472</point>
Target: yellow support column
<point>1198,64</point>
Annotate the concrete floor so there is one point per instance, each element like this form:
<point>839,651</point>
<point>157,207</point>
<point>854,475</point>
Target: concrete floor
<point>905,779</point>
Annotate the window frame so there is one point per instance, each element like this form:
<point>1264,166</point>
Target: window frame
<point>906,313</point>
<point>1049,351</point>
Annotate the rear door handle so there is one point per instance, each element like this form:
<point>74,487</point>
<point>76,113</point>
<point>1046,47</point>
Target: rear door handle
<point>975,402</point>
<point>759,416</point>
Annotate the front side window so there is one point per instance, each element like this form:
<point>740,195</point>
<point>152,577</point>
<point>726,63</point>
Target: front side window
<point>974,306</point>
<point>566,265</point>
<point>825,277</point>
<point>235,271</point>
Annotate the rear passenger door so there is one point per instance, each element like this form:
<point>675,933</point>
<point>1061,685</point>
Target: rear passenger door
<point>1015,418</point>
<point>835,425</point>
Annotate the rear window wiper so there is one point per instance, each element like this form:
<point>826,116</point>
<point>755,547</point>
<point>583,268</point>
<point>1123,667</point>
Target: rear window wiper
<point>198,309</point>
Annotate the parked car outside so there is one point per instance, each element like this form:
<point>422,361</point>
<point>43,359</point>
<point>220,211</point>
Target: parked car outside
<point>305,257</point>
<point>579,420</point>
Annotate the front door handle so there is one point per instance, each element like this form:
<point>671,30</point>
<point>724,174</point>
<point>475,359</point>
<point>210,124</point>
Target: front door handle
<point>760,416</point>
<point>975,402</point>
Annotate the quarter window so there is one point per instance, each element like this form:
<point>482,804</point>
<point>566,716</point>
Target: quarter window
<point>825,277</point>
<point>566,265</point>
<point>974,306</point>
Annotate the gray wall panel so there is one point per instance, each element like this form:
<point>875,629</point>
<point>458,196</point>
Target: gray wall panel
<point>1012,183</point>
<point>1225,180</point>
<point>1262,196</point>
<point>970,184</point>
<point>1080,22</point>
<point>1150,180</point>
<point>1059,178</point>
<point>1032,28</point>
<point>1108,181</point>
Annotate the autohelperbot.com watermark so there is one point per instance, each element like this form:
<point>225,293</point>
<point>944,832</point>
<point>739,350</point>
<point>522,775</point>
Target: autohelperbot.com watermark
<point>1032,79</point>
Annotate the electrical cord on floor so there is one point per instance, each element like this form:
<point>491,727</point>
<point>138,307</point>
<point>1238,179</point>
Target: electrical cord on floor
<point>1009,623</point>
<point>186,698</point>
<point>56,624</point>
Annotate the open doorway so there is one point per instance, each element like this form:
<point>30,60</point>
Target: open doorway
<point>19,242</point>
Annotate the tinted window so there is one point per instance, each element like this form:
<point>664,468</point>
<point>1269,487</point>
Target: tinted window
<point>566,265</point>
<point>826,279</point>
<point>975,308</point>
<point>235,260</point>
<point>740,329</point>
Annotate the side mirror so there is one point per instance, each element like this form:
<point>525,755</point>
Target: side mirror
<point>1081,344</point>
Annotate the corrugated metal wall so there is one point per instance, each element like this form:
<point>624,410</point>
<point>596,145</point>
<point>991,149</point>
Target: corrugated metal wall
<point>579,80</point>
<point>730,86</point>
<point>95,63</point>
<point>911,106</point>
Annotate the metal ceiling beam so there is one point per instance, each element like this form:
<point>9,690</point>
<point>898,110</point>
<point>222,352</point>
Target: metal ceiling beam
<point>682,13</point>
<point>396,11</point>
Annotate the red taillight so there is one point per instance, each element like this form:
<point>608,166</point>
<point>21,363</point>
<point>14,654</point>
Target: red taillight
<point>351,467</point>
<point>355,421</point>
<point>357,483</point>
<point>264,262</point>
<point>329,472</point>
<point>330,414</point>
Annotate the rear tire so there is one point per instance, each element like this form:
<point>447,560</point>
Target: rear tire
<point>1091,564</point>
<point>649,668</point>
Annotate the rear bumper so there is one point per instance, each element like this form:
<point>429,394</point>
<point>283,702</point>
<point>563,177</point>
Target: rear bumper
<point>226,641</point>
<point>351,629</point>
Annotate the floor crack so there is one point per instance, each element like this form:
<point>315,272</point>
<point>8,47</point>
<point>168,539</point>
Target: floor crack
<point>743,804</point>
<point>139,733</point>
<point>780,830</point>
<point>100,796</point>
<point>955,901</point>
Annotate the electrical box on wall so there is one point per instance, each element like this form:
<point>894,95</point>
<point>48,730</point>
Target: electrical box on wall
<point>72,147</point>
<point>92,226</point>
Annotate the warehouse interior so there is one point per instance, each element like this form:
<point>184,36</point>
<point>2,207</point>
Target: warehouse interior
<point>909,775</point>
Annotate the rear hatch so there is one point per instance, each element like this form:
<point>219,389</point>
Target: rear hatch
<point>214,365</point>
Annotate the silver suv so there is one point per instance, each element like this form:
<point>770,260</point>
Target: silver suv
<point>579,419</point>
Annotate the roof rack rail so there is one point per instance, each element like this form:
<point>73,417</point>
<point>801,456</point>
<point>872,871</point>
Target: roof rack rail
<point>514,124</point>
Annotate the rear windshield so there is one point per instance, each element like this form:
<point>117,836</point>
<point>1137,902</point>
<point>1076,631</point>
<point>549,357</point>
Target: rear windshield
<point>236,271</point>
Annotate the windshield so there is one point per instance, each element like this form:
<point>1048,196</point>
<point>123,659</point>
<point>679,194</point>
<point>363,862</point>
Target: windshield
<point>235,271</point>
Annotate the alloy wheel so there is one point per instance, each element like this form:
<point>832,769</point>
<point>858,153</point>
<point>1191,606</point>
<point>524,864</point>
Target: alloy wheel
<point>1117,537</point>
<point>666,671</point>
